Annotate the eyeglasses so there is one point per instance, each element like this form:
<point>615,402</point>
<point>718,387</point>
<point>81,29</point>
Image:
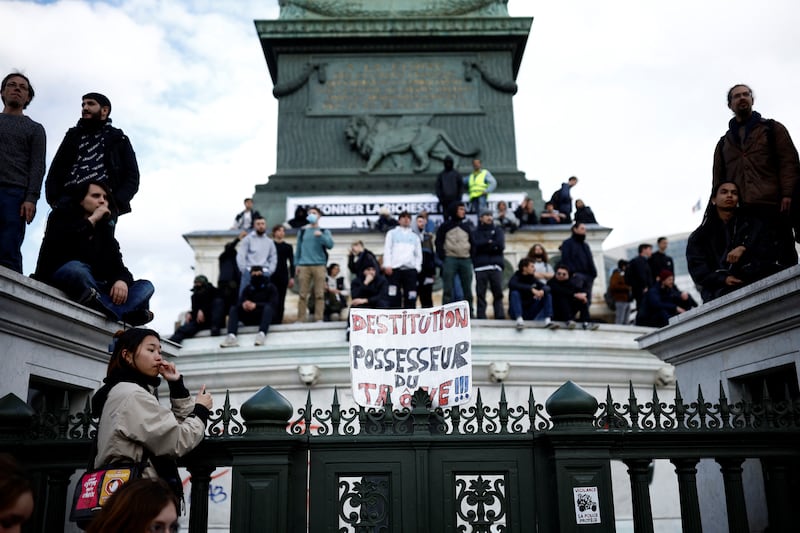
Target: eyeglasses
<point>15,85</point>
<point>163,528</point>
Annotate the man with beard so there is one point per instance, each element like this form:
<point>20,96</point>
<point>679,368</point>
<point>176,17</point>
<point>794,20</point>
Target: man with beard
<point>22,148</point>
<point>256,250</point>
<point>730,248</point>
<point>758,156</point>
<point>453,248</point>
<point>207,311</point>
<point>488,244</point>
<point>95,151</point>
<point>577,256</point>
<point>256,305</point>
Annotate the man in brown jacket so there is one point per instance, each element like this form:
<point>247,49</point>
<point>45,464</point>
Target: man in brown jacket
<point>758,155</point>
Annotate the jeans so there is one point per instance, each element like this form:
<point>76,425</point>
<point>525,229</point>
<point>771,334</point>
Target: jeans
<point>75,277</point>
<point>535,310</point>
<point>476,205</point>
<point>494,280</point>
<point>263,318</point>
<point>462,267</point>
<point>623,312</point>
<point>12,227</point>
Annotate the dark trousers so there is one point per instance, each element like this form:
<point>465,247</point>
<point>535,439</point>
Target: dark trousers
<point>403,288</point>
<point>492,279</point>
<point>568,308</point>
<point>261,317</point>
<point>213,322</point>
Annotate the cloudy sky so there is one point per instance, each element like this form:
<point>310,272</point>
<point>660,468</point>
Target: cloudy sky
<point>627,95</point>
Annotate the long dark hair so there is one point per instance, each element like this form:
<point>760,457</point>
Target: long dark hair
<point>131,508</point>
<point>129,340</point>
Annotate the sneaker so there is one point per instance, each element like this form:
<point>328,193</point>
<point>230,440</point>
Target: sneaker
<point>91,299</point>
<point>260,339</point>
<point>229,341</point>
<point>593,326</point>
<point>571,324</point>
<point>138,317</point>
<point>520,323</point>
<point>549,324</point>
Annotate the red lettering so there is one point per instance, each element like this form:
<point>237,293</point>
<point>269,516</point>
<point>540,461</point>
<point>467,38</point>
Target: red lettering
<point>366,387</point>
<point>444,392</point>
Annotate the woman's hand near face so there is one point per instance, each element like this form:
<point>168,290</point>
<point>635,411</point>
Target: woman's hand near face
<point>168,371</point>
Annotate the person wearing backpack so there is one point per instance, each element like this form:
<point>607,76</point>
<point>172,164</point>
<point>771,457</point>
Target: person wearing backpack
<point>311,259</point>
<point>562,200</point>
<point>758,156</point>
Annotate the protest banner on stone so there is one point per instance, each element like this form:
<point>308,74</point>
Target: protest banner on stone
<point>397,351</point>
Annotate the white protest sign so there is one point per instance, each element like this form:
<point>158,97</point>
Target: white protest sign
<point>397,351</point>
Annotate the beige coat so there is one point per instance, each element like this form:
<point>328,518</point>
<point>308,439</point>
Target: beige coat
<point>133,418</point>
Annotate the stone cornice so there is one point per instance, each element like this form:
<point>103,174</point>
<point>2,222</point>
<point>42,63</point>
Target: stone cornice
<point>768,307</point>
<point>379,28</point>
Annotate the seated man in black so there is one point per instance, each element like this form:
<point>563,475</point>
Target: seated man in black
<point>208,311</point>
<point>256,306</point>
<point>80,256</point>
<point>568,300</point>
<point>730,249</point>
<point>370,289</point>
<point>663,301</point>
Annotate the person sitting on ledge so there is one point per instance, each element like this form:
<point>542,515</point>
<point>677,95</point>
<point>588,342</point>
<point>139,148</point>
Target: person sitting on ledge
<point>80,256</point>
<point>730,249</point>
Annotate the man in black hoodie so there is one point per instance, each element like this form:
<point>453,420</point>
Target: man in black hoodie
<point>95,151</point>
<point>488,244</point>
<point>449,187</point>
<point>256,306</point>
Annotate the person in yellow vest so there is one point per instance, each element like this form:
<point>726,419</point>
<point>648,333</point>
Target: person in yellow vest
<point>479,184</point>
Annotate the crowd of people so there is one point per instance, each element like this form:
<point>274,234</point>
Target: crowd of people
<point>89,186</point>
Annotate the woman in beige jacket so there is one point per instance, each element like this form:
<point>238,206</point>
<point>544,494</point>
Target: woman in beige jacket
<point>133,424</point>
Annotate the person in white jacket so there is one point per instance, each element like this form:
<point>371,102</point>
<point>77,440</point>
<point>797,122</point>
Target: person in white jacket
<point>134,426</point>
<point>402,262</point>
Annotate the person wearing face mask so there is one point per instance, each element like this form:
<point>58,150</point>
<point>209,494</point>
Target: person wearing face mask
<point>256,306</point>
<point>577,256</point>
<point>311,259</point>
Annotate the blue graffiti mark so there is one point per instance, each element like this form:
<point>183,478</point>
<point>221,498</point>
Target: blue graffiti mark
<point>217,494</point>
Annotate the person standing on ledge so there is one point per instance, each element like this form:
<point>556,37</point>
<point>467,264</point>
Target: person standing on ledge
<point>449,187</point>
<point>758,156</point>
<point>479,184</point>
<point>22,149</point>
<point>310,259</point>
<point>94,151</point>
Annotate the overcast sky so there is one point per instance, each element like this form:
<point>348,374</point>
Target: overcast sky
<point>627,95</point>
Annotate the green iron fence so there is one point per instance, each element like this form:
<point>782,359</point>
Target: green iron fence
<point>477,468</point>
